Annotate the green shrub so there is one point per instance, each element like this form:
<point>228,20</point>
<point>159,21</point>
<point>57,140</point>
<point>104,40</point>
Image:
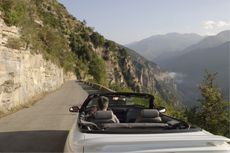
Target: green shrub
<point>85,36</point>
<point>75,42</point>
<point>97,39</point>
<point>110,45</point>
<point>106,55</point>
<point>50,19</point>
<point>170,109</point>
<point>81,69</point>
<point>69,61</point>
<point>97,69</point>
<point>124,53</point>
<point>120,88</point>
<point>14,11</point>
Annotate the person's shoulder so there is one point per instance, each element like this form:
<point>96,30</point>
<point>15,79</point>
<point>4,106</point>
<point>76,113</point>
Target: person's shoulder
<point>112,113</point>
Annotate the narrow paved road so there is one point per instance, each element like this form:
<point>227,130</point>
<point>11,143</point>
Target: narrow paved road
<point>44,126</point>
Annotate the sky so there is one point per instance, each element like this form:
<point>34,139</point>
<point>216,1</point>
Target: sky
<point>126,21</point>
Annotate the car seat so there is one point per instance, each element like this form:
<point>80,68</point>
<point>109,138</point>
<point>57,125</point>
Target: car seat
<point>104,117</point>
<point>149,116</point>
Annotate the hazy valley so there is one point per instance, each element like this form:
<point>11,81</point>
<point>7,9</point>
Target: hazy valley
<point>189,61</point>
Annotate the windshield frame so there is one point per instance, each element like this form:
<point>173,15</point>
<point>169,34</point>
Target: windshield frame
<point>91,96</point>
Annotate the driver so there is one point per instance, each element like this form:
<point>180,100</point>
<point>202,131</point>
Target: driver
<point>90,115</point>
<point>103,104</point>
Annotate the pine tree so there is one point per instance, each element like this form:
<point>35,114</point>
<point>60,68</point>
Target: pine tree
<point>213,115</point>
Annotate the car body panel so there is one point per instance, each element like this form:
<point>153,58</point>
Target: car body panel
<point>186,142</point>
<point>75,140</point>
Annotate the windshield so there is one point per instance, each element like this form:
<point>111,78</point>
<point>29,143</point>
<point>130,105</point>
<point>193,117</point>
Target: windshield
<point>142,101</point>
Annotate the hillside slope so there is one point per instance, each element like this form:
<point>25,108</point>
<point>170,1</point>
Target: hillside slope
<point>47,28</point>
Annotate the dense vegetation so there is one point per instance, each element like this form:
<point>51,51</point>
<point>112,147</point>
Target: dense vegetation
<point>120,88</point>
<point>212,114</point>
<point>41,37</point>
<point>47,28</point>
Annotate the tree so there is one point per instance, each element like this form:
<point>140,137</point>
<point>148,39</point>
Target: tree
<point>124,53</point>
<point>84,22</point>
<point>110,45</point>
<point>97,69</point>
<point>213,114</point>
<point>97,39</point>
<point>85,36</point>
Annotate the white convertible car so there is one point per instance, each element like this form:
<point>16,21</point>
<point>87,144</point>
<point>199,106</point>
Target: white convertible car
<point>143,128</point>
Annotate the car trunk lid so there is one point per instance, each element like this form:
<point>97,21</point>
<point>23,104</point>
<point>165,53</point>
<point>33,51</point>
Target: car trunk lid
<point>163,143</point>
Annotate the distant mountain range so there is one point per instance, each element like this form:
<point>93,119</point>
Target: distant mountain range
<point>160,46</point>
<point>211,41</point>
<point>188,65</point>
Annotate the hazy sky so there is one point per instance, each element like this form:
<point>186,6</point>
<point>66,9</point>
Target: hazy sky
<point>125,21</point>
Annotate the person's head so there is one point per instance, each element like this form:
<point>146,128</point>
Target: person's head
<point>93,110</point>
<point>103,103</point>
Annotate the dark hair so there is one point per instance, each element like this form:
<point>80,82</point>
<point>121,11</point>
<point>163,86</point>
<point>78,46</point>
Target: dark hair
<point>103,102</point>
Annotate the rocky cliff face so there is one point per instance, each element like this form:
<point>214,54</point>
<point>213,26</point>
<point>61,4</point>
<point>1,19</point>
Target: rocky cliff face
<point>23,76</point>
<point>141,75</point>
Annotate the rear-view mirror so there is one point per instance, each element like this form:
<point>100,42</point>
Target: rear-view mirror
<point>161,109</point>
<point>74,109</point>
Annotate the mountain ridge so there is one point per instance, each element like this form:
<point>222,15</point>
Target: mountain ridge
<point>206,42</point>
<point>211,41</point>
<point>154,46</point>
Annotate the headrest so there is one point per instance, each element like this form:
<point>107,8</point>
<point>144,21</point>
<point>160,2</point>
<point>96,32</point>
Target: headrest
<point>149,113</point>
<point>103,115</point>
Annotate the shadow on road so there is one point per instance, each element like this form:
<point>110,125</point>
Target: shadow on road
<point>33,141</point>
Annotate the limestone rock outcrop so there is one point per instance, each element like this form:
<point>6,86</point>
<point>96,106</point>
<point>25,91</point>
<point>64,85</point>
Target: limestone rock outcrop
<point>24,76</point>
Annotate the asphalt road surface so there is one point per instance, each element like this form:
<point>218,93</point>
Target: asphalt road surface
<point>44,126</point>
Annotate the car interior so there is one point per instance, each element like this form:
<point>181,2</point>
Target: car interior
<point>130,113</point>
